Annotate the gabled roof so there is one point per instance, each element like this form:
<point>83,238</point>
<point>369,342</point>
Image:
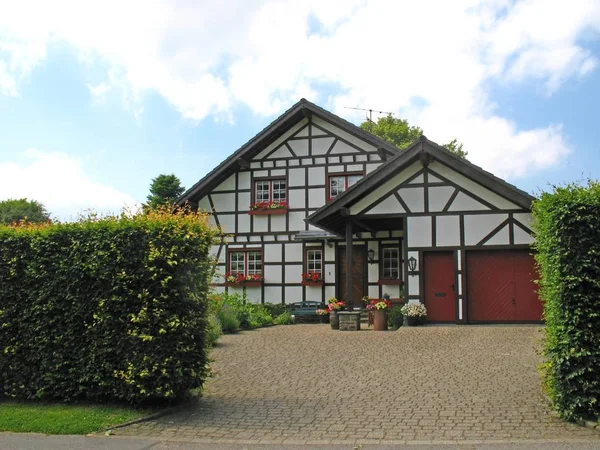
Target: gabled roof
<point>273,131</point>
<point>330,216</point>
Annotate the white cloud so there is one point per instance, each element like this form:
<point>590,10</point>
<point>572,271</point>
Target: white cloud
<point>207,57</point>
<point>60,182</point>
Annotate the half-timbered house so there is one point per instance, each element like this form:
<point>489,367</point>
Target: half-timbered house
<point>313,193</point>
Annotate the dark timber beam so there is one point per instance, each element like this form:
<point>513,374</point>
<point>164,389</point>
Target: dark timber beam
<point>383,153</point>
<point>349,264</point>
<point>345,212</point>
<point>243,163</point>
<point>306,113</point>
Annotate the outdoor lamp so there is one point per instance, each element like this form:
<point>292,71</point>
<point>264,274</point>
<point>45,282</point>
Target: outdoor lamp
<point>371,256</point>
<point>412,264</point>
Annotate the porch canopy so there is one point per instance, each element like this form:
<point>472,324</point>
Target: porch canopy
<point>375,203</point>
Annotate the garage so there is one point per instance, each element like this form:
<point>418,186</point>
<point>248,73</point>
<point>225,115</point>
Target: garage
<point>501,287</point>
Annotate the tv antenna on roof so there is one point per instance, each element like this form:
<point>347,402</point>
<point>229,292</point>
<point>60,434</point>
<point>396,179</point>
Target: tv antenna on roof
<point>370,111</point>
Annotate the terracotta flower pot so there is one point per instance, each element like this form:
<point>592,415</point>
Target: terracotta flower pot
<point>380,320</point>
<point>334,320</point>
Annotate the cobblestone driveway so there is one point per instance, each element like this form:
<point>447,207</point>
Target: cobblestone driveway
<point>309,384</point>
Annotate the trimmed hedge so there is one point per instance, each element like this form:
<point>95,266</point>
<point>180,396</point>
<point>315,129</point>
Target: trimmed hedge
<point>567,229</point>
<point>109,309</point>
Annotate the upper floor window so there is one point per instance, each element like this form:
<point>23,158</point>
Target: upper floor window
<point>270,191</point>
<point>339,183</point>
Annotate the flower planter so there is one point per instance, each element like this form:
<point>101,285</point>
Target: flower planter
<point>244,283</point>
<point>313,283</point>
<point>415,321</point>
<point>380,320</point>
<point>268,212</point>
<point>334,320</point>
<point>390,282</point>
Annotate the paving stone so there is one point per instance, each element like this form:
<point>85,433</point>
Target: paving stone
<point>310,384</point>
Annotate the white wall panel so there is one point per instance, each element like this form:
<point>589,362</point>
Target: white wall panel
<point>335,169</point>
<point>471,186</point>
<point>273,274</point>
<point>316,197</point>
<point>392,290</point>
<point>477,226</point>
<point>297,198</point>
<point>293,294</point>
<point>254,294</point>
<point>273,252</point>
<point>316,176</point>
<point>223,202</point>
<point>341,147</point>
<point>329,292</point>
<point>261,223</point>
<point>439,196</point>
<point>463,202</point>
<point>278,172</point>
<point>303,132</point>
<point>371,167</point>
<point>414,198</point>
<point>278,223</point>
<point>447,231</point>
<point>500,238</point>
<point>236,290</point>
<point>317,132</point>
<point>524,218</point>
<point>373,272</point>
<point>297,177</point>
<point>321,145</point>
<point>227,185</point>
<point>373,292</point>
<point>459,260</point>
<point>297,221</point>
<point>281,139</point>
<point>219,289</point>
<point>281,152</point>
<point>347,158</point>
<point>347,136</point>
<point>390,205</point>
<point>293,253</point>
<point>413,285</point>
<point>204,205</point>
<point>419,231</point>
<point>329,274</point>
<point>243,201</point>
<point>522,237</point>
<point>243,223</point>
<point>273,294</point>
<point>329,253</point>
<point>418,180</point>
<point>260,173</point>
<point>227,222</point>
<point>354,168</point>
<point>314,293</point>
<point>300,147</point>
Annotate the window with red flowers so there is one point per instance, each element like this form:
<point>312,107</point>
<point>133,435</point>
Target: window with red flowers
<point>272,190</point>
<point>313,263</point>
<point>341,182</point>
<point>247,262</point>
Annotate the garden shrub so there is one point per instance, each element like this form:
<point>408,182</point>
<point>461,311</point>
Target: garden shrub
<point>110,309</point>
<point>284,319</point>
<point>213,330</point>
<point>276,309</point>
<point>229,319</point>
<point>249,315</point>
<point>568,254</point>
<point>395,317</point>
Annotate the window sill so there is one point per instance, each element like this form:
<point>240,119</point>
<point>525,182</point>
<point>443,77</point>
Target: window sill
<point>390,282</point>
<point>313,283</point>
<point>268,212</point>
<point>244,284</point>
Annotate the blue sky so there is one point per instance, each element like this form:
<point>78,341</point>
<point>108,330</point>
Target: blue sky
<point>95,104</point>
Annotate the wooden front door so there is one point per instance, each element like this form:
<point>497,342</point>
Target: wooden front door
<point>359,273</point>
<point>440,293</point>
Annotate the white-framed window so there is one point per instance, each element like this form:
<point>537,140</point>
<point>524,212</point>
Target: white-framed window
<point>270,191</point>
<point>341,183</point>
<point>314,261</point>
<point>390,263</point>
<point>248,262</point>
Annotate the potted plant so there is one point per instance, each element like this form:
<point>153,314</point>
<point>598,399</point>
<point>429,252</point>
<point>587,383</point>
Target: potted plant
<point>263,208</point>
<point>333,306</point>
<point>253,280</point>
<point>312,279</point>
<point>379,308</point>
<point>415,313</point>
<point>322,313</point>
<point>239,279</point>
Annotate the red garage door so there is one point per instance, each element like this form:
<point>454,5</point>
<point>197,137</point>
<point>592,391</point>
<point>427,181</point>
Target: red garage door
<point>500,287</point>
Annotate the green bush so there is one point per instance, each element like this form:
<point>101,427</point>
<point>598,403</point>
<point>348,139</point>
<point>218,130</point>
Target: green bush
<point>395,317</point>
<point>107,309</point>
<point>229,319</point>
<point>284,319</point>
<point>568,255</point>
<point>248,315</point>
<point>276,309</point>
<point>213,330</point>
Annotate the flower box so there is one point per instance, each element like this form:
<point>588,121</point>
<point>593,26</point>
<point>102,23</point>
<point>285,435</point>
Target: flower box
<point>312,283</point>
<point>244,283</point>
<point>268,212</point>
<point>390,282</point>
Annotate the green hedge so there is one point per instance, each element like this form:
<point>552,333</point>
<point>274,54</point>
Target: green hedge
<point>109,309</point>
<point>567,228</point>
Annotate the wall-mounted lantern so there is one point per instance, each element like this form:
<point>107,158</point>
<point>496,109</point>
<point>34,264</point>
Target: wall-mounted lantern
<point>371,256</point>
<point>412,264</point>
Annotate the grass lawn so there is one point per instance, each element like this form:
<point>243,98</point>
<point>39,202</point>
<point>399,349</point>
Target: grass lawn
<point>26,417</point>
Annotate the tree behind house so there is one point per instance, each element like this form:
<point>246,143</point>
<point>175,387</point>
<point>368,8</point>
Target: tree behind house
<point>401,134</point>
<point>17,210</point>
<point>164,190</point>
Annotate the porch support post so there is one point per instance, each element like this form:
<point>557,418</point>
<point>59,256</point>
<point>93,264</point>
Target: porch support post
<point>349,264</point>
